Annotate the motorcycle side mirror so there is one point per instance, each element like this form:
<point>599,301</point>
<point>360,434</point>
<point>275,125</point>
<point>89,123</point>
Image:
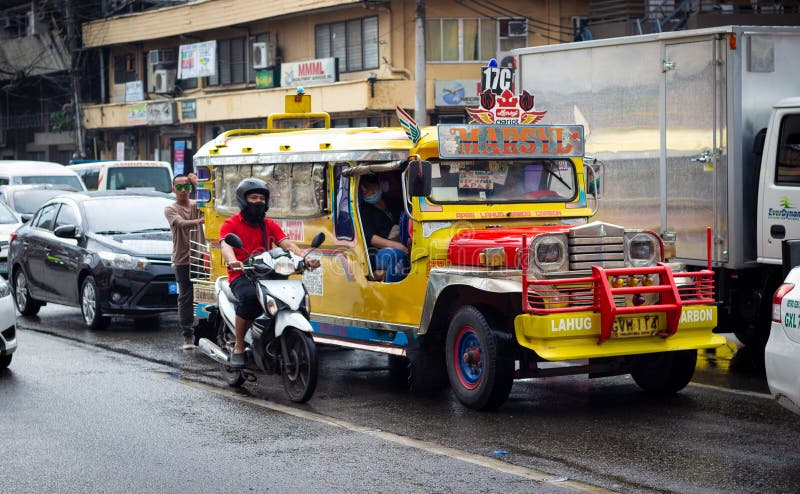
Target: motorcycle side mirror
<point>317,240</point>
<point>233,240</point>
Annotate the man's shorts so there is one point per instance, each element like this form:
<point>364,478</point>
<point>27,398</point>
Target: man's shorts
<point>248,307</point>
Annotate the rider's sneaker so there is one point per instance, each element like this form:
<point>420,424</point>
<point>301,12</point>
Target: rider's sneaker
<point>188,343</point>
<point>238,360</point>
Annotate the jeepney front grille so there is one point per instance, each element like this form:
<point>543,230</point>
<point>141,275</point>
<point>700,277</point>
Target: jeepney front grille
<point>603,251</point>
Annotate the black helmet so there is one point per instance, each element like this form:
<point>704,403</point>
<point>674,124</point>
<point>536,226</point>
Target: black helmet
<point>251,186</point>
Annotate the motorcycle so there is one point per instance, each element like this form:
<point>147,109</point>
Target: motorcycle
<point>279,341</point>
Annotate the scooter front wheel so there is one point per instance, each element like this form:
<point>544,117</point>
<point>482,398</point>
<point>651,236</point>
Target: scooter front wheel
<point>299,371</point>
<point>226,340</point>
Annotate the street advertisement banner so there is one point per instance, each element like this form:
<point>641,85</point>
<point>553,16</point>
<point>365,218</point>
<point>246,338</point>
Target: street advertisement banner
<point>310,72</point>
<point>134,91</point>
<point>197,60</point>
<point>178,156</point>
<point>188,108</point>
<point>456,92</point>
<point>137,114</point>
<point>161,113</point>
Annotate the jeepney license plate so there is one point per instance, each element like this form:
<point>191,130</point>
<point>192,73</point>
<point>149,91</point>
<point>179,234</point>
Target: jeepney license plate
<point>630,326</point>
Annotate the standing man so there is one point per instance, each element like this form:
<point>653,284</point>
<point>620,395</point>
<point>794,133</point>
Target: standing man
<point>186,225</point>
<point>258,234</point>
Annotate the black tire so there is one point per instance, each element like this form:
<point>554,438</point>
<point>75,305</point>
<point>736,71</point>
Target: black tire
<point>26,305</point>
<point>427,371</point>
<point>480,374</point>
<point>399,371</point>
<point>299,372</point>
<point>5,361</point>
<point>665,372</point>
<point>226,340</point>
<point>90,306</point>
<point>146,323</point>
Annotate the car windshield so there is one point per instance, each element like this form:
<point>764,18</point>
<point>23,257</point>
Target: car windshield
<point>533,180</point>
<point>129,177</point>
<point>27,201</point>
<point>126,214</point>
<point>6,215</point>
<point>70,180</point>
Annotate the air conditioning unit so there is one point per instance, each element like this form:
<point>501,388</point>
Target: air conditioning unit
<point>263,55</point>
<point>517,28</point>
<point>164,80</point>
<point>161,56</point>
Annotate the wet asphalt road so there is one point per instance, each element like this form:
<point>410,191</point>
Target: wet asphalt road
<point>360,432</point>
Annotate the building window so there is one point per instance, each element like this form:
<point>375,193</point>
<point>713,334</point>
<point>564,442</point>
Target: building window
<point>353,42</point>
<point>232,67</point>
<point>125,69</point>
<point>460,40</point>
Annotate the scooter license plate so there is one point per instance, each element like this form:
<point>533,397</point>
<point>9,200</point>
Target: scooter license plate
<point>632,326</point>
<point>172,288</point>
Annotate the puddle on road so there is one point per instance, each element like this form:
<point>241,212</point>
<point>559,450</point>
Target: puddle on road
<point>732,366</point>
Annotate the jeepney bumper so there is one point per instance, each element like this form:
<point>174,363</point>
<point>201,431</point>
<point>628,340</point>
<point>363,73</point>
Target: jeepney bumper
<point>576,335</point>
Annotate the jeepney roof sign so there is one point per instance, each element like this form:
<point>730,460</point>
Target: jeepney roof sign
<point>510,141</point>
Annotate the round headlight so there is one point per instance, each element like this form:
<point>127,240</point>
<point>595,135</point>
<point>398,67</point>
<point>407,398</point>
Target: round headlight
<point>549,253</point>
<point>643,249</point>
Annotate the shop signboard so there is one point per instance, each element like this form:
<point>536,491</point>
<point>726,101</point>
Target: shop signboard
<point>457,92</point>
<point>137,114</point>
<point>197,60</point>
<point>309,72</point>
<point>161,113</point>
<point>188,109</point>
<point>134,91</point>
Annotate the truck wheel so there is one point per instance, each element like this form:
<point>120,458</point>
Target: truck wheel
<point>665,372</point>
<point>480,375</point>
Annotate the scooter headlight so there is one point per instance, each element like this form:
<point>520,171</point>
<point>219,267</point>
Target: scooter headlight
<point>306,304</point>
<point>270,305</point>
<point>284,266</point>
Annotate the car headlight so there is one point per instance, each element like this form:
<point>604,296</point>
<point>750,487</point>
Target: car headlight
<point>284,266</point>
<point>642,248</point>
<point>5,290</point>
<point>548,253</point>
<point>122,261</point>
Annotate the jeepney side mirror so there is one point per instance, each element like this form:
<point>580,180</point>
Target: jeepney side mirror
<point>419,178</point>
<point>592,176</point>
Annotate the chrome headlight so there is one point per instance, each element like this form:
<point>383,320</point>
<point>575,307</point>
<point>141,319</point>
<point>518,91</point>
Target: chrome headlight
<point>5,290</point>
<point>122,261</point>
<point>642,249</point>
<point>284,266</point>
<point>548,253</point>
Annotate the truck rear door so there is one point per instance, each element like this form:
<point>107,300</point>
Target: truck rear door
<point>694,113</point>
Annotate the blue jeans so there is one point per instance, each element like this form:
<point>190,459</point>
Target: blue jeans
<point>394,262</point>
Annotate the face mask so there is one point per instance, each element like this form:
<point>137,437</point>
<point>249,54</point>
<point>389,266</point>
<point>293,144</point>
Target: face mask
<point>254,212</point>
<point>374,198</point>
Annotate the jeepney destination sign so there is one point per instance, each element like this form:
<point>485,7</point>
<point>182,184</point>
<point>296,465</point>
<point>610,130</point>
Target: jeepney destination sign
<point>510,141</point>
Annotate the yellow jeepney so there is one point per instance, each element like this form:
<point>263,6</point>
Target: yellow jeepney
<point>506,270</point>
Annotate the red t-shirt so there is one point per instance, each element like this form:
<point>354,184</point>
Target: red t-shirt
<point>252,238</point>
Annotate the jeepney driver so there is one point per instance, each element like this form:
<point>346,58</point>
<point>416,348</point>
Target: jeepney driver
<point>258,233</point>
<point>382,233</point>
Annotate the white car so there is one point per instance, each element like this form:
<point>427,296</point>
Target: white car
<point>9,222</point>
<point>8,327</point>
<point>782,354</point>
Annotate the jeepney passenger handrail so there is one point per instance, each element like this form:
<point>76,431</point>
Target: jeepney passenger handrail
<point>358,170</point>
<point>221,140</point>
<point>406,199</point>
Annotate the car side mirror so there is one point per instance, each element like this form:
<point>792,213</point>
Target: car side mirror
<point>233,240</point>
<point>66,231</point>
<point>317,240</point>
<point>419,178</point>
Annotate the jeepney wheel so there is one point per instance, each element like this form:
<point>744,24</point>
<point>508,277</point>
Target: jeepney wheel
<point>480,375</point>
<point>665,372</point>
<point>226,340</point>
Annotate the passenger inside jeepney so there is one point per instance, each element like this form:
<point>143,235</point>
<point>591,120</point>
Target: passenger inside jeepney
<point>387,255</point>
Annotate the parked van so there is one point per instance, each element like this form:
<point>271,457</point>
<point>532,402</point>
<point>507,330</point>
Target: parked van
<point>14,172</point>
<point>120,175</point>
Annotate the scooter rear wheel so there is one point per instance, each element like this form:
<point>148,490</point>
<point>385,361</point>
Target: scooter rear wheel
<point>299,371</point>
<point>226,339</point>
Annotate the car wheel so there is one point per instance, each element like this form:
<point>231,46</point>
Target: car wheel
<point>90,306</point>
<point>5,361</point>
<point>26,305</point>
<point>480,373</point>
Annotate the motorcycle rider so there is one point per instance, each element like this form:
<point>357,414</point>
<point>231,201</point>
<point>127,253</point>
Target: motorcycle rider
<point>258,233</point>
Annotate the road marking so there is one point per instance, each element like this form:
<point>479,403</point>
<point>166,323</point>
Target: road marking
<point>500,466</point>
<point>752,394</point>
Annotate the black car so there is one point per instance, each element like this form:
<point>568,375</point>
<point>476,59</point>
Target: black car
<point>107,253</point>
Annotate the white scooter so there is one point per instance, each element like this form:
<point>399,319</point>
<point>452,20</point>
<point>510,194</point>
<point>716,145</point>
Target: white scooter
<point>279,341</point>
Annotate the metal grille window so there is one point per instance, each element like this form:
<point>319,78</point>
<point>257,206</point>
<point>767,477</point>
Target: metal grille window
<point>353,42</point>
<point>232,67</point>
<point>460,40</point>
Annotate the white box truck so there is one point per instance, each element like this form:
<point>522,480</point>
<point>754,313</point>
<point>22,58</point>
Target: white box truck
<point>693,129</point>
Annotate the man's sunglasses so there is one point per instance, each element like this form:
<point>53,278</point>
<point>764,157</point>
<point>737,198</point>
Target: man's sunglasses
<point>180,187</point>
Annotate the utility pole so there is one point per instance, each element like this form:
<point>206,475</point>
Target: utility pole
<point>420,86</point>
<point>73,48</point>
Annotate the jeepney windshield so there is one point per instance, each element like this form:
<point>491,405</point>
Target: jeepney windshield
<point>525,180</point>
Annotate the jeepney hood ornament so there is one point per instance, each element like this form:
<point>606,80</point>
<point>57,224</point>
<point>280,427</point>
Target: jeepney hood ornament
<point>506,109</point>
